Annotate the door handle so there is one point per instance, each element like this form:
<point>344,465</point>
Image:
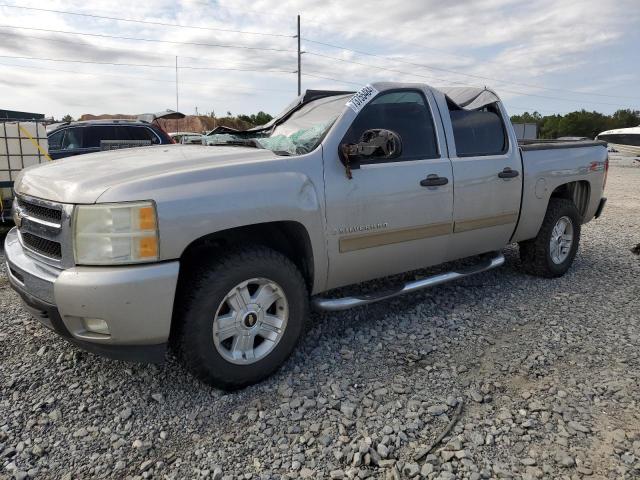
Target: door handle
<point>508,173</point>
<point>434,180</point>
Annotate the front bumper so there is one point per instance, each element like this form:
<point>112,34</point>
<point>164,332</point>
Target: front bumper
<point>136,302</point>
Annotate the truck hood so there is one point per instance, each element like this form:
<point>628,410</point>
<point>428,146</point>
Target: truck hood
<point>84,178</point>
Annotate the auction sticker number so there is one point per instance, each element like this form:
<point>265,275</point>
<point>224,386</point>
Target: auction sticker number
<point>361,98</point>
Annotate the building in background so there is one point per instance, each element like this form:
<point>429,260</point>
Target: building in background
<point>526,131</point>
<point>13,115</point>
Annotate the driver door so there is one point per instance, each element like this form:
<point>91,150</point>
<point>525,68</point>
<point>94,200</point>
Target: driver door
<point>384,221</point>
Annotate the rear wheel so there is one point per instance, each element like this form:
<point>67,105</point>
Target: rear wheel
<point>242,317</point>
<point>551,253</point>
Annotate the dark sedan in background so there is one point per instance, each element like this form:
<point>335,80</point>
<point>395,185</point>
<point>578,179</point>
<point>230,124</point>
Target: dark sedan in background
<point>77,138</point>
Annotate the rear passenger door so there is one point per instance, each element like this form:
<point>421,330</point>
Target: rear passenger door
<point>488,181</point>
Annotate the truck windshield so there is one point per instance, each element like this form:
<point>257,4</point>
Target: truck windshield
<point>298,134</point>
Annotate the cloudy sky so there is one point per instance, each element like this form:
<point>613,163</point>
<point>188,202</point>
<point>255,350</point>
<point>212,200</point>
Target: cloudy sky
<point>546,55</point>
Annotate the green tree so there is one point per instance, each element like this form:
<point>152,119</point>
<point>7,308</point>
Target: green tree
<point>550,126</point>
<point>67,118</point>
<point>583,124</point>
<point>625,118</point>
<point>580,123</point>
<point>256,119</point>
<point>261,118</point>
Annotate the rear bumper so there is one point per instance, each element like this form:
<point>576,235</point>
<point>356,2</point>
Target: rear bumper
<point>601,205</point>
<point>136,302</point>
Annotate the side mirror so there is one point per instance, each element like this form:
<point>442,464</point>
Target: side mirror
<point>376,143</point>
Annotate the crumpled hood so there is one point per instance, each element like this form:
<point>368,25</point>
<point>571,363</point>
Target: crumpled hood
<point>84,178</point>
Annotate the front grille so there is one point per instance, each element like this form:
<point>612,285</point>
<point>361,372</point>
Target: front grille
<point>40,245</point>
<point>40,212</point>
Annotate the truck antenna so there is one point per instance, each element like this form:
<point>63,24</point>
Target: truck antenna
<point>299,61</point>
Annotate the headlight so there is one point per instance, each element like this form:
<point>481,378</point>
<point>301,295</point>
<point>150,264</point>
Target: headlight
<point>116,233</point>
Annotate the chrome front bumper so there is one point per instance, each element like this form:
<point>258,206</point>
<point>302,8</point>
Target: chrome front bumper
<point>136,302</point>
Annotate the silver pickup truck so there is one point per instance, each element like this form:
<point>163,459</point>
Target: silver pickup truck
<point>218,250</point>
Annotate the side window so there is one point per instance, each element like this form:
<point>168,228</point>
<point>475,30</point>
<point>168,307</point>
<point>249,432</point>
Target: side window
<point>122,133</point>
<point>55,140</point>
<point>405,112</point>
<point>72,139</point>
<point>143,133</point>
<point>94,134</point>
<point>479,132</point>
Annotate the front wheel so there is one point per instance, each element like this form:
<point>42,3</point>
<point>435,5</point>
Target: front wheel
<point>551,253</point>
<point>242,317</point>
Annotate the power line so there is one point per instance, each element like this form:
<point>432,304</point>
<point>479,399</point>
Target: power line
<point>147,79</point>
<point>187,67</point>
<point>102,35</point>
<point>382,68</point>
<point>147,22</point>
<point>455,72</point>
<point>313,74</point>
<point>244,11</point>
<point>412,74</point>
<point>100,48</point>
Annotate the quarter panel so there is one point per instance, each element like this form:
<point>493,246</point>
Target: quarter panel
<point>545,170</point>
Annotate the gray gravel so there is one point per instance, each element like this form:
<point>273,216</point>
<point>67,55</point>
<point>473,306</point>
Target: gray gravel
<point>548,372</point>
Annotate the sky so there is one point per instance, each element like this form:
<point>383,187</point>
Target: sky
<point>548,56</point>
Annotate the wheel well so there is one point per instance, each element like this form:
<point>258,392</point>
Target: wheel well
<point>287,237</point>
<point>578,192</point>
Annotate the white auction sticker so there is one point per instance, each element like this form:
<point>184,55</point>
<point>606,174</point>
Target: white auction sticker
<point>361,98</point>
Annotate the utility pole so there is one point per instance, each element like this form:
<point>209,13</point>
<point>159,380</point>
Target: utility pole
<point>177,104</point>
<point>299,61</point>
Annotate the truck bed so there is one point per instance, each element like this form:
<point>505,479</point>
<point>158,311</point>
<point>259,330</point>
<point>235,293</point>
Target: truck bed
<point>547,164</point>
<point>540,144</point>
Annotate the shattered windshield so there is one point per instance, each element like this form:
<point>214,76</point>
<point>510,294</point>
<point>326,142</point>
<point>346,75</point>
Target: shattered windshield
<point>298,134</point>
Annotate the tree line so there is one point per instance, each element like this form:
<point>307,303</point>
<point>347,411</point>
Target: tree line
<point>579,124</point>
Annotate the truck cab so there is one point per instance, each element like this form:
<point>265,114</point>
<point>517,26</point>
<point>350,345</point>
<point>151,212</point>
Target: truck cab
<point>440,142</point>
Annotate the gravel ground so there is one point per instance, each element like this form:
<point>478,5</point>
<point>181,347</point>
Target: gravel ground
<point>543,377</point>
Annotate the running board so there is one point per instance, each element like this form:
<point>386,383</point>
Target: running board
<point>335,304</point>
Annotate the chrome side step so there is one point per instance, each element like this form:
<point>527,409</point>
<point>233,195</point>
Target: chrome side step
<point>335,304</point>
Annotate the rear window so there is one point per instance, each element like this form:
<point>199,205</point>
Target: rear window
<point>479,132</point>
<point>94,134</point>
<point>142,133</point>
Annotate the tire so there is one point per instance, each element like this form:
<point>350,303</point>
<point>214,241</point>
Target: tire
<point>537,255</point>
<point>215,295</point>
